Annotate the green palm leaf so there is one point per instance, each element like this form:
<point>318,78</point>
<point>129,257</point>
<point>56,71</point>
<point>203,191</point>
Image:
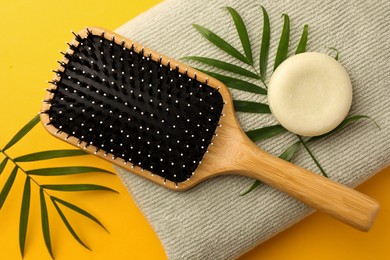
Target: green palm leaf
<point>76,187</point>
<point>289,153</point>
<point>45,222</point>
<point>251,107</point>
<point>223,65</point>
<point>69,227</point>
<point>282,51</point>
<point>303,41</point>
<point>78,210</point>
<point>265,39</point>
<point>236,83</point>
<point>346,122</point>
<point>22,132</point>
<point>46,155</point>
<point>254,185</point>
<point>349,120</point>
<point>7,186</point>
<point>337,53</point>
<point>24,212</point>
<point>242,33</point>
<point>3,164</point>
<point>220,43</point>
<point>265,132</point>
<point>68,170</point>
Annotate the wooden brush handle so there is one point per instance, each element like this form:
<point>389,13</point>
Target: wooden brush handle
<point>323,194</point>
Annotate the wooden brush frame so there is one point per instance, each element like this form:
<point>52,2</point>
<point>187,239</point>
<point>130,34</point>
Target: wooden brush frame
<point>164,60</point>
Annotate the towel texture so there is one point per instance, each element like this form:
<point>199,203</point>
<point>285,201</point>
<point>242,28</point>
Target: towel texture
<point>211,221</point>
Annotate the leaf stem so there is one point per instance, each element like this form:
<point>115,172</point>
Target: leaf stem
<point>265,85</point>
<point>312,156</point>
<point>258,74</point>
<point>20,168</point>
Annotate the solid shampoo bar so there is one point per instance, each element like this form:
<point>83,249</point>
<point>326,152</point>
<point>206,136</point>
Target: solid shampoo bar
<point>310,94</point>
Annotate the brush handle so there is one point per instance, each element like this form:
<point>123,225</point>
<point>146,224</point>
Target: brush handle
<point>323,194</point>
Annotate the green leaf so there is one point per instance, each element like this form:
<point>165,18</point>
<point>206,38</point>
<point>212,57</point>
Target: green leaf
<point>303,41</point>
<point>221,43</point>
<point>265,132</point>
<point>223,65</point>
<point>7,186</point>
<point>289,153</point>
<point>251,107</point>
<point>282,51</point>
<point>349,120</point>
<point>346,122</point>
<point>242,33</point>
<point>254,185</point>
<point>3,164</point>
<point>24,212</point>
<point>312,156</point>
<point>22,132</point>
<point>337,53</point>
<point>45,222</point>
<point>46,155</point>
<point>79,210</point>
<point>68,170</point>
<point>68,226</point>
<point>75,187</point>
<point>265,39</point>
<point>236,83</point>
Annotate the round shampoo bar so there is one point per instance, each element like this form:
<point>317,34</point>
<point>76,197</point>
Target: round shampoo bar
<point>310,94</point>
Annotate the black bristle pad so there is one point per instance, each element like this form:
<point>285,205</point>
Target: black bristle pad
<point>135,108</point>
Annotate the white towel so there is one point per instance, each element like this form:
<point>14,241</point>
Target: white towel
<point>211,221</point>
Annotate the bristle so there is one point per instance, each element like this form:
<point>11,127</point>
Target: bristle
<point>135,109</point>
<point>77,37</point>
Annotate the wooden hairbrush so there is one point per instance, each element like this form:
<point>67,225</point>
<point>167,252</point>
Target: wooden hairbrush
<point>171,124</point>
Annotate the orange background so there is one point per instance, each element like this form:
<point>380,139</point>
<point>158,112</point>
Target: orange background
<point>32,32</point>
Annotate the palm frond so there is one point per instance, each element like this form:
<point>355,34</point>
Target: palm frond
<point>251,107</point>
<point>22,132</point>
<point>69,226</point>
<point>78,210</point>
<point>264,133</point>
<point>265,40</point>
<point>237,83</point>
<point>312,156</point>
<point>45,222</point>
<point>55,171</point>
<point>24,213</point>
<point>337,53</point>
<point>346,122</point>
<point>242,33</point>
<point>303,41</point>
<point>220,43</point>
<point>289,153</point>
<point>76,187</point>
<point>47,155</point>
<point>7,186</point>
<point>68,170</point>
<point>223,66</point>
<point>284,41</point>
<point>255,185</point>
<point>3,164</point>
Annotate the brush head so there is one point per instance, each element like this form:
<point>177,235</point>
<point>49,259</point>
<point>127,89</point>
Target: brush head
<point>122,102</point>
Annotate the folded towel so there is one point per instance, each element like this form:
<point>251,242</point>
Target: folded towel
<point>211,221</point>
